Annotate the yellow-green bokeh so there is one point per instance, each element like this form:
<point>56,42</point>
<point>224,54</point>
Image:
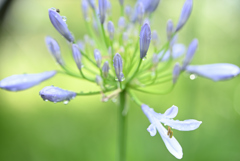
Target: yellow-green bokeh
<point>86,129</point>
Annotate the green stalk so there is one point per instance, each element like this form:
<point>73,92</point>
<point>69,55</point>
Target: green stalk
<point>122,128</point>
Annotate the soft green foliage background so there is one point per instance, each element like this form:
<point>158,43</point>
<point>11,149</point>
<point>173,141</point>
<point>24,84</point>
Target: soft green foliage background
<point>85,129</point>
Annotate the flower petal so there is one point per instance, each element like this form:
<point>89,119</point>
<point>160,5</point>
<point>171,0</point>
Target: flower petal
<point>171,112</point>
<point>177,51</point>
<point>216,72</point>
<point>24,81</point>
<point>172,144</point>
<point>152,130</point>
<point>186,125</point>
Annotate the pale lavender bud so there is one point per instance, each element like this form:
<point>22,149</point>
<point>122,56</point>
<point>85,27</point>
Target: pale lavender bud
<point>85,9</point>
<point>186,11</point>
<point>121,23</point>
<point>155,38</point>
<point>152,5</point>
<point>92,3</point>
<point>109,7</point>
<point>60,25</point>
<point>169,29</point>
<point>140,12</point>
<point>54,49</point>
<point>102,4</point>
<point>121,2</point>
<point>117,63</point>
<point>155,60</point>
<point>145,39</point>
<point>125,37</point>
<point>110,28</point>
<point>99,81</point>
<point>128,11</point>
<point>190,53</point>
<point>215,72</point>
<point>55,94</point>
<point>98,57</point>
<point>77,56</point>
<point>105,69</point>
<point>176,72</point>
<point>24,81</point>
<point>81,45</point>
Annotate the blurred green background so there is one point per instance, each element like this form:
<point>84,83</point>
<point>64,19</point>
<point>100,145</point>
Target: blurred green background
<point>86,129</point>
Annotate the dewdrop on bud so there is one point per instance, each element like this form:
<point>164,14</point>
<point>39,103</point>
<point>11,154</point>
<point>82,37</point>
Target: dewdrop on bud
<point>145,39</point>
<point>77,56</point>
<point>98,57</point>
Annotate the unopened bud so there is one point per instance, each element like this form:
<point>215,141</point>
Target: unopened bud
<point>105,69</point>
<point>77,56</point>
<point>110,28</point>
<point>98,57</point>
<point>176,72</point>
<point>190,53</point>
<point>102,10</point>
<point>145,39</point>
<point>169,29</point>
<point>117,63</point>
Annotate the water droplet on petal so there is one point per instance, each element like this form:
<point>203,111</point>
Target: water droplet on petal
<point>65,102</point>
<point>46,100</point>
<point>193,76</point>
<point>64,18</point>
<point>145,58</point>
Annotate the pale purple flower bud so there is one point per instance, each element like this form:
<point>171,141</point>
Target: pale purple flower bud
<point>121,2</point>
<point>85,9</point>
<point>140,12</point>
<point>24,81</point>
<point>54,49</point>
<point>102,10</point>
<point>99,81</point>
<point>128,11</point>
<point>155,38</point>
<point>176,72</point>
<point>109,7</point>
<point>92,3</point>
<point>117,63</point>
<point>155,60</point>
<point>110,28</point>
<point>98,57</point>
<point>60,25</point>
<point>169,29</point>
<point>149,5</point>
<point>77,56</point>
<point>55,94</point>
<point>186,11</point>
<point>81,45</point>
<point>145,39</point>
<point>105,69</point>
<point>190,53</point>
<point>215,72</point>
<point>121,23</point>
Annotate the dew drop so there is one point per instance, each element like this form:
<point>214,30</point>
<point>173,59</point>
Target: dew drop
<point>46,100</point>
<point>65,102</point>
<point>54,9</point>
<point>145,58</point>
<point>64,18</point>
<point>193,76</point>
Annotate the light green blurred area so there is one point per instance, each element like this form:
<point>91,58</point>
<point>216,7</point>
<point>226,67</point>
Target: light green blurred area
<point>86,128</point>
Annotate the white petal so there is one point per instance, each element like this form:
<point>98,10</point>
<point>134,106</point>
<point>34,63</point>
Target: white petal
<point>171,112</point>
<point>171,143</point>
<point>186,125</point>
<point>152,130</point>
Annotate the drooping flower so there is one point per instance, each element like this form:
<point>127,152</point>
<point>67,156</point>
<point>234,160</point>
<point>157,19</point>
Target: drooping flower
<point>102,10</point>
<point>117,63</point>
<point>145,39</point>
<point>77,56</point>
<point>190,53</point>
<point>55,94</point>
<point>98,57</point>
<point>157,118</point>
<point>24,81</point>
<point>60,25</point>
<point>54,49</point>
<point>215,72</point>
<point>186,11</point>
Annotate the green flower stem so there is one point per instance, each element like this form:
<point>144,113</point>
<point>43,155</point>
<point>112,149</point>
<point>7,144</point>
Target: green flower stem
<point>89,29</point>
<point>104,36</point>
<point>94,92</point>
<point>94,63</point>
<point>91,80</point>
<point>153,92</point>
<point>134,98</point>
<point>122,128</point>
<point>139,64</point>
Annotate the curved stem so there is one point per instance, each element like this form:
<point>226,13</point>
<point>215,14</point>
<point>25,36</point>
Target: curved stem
<point>122,128</point>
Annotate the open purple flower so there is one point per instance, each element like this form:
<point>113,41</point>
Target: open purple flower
<point>24,81</point>
<point>215,72</point>
<point>55,94</point>
<point>157,118</point>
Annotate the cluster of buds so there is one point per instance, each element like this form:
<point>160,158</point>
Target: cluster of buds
<point>114,57</point>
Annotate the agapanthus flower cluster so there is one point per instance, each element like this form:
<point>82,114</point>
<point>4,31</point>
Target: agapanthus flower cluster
<point>125,57</point>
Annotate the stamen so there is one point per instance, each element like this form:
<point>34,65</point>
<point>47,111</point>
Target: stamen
<point>170,132</point>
